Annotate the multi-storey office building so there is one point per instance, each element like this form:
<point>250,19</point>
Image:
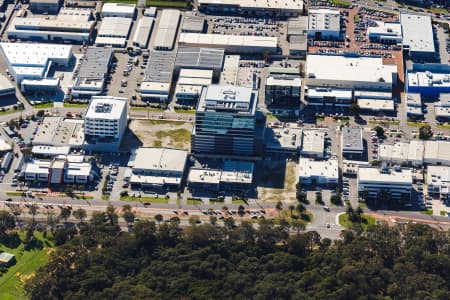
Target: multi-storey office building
<point>226,122</point>
<point>105,123</point>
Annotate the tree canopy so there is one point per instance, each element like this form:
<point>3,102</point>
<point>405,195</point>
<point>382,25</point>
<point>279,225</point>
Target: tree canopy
<point>244,262</point>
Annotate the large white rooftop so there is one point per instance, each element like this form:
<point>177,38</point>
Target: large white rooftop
<point>417,32</point>
<point>313,142</point>
<point>106,107</point>
<point>428,79</point>
<point>208,39</point>
<point>167,29</point>
<point>119,8</point>
<point>344,68</point>
<point>23,54</point>
<point>411,152</point>
<point>115,27</point>
<point>324,19</point>
<point>78,169</point>
<point>160,159</point>
<point>257,4</point>
<point>437,152</point>
<point>386,30</point>
<point>376,104</point>
<point>374,175</point>
<point>313,168</point>
<point>283,80</point>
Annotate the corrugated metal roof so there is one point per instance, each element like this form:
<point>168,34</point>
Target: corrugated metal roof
<point>167,29</point>
<point>160,66</point>
<point>200,57</point>
<point>95,63</point>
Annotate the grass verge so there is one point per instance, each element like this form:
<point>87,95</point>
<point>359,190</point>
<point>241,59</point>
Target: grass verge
<point>14,193</point>
<point>443,126</point>
<point>194,201</point>
<point>176,4</point>
<point>139,108</point>
<point>443,213</point>
<point>121,1</point>
<point>75,105</point>
<point>43,105</point>
<point>105,197</point>
<point>384,122</point>
<point>144,199</point>
<point>346,223</point>
<point>9,111</point>
<point>85,197</point>
<point>239,201</point>
<point>185,111</point>
<point>417,124</point>
<point>427,212</point>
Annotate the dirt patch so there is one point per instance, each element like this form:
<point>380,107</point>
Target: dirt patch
<point>277,183</point>
<point>155,133</point>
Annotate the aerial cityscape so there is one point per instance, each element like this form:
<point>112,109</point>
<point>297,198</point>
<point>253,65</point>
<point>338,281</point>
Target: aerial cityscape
<point>161,129</point>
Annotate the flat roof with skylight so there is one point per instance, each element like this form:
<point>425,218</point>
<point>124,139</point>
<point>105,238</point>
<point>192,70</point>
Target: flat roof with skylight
<point>351,69</point>
<point>417,32</point>
<point>106,108</point>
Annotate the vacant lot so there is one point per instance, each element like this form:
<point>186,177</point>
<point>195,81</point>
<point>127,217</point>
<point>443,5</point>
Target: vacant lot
<point>277,181</point>
<point>159,133</point>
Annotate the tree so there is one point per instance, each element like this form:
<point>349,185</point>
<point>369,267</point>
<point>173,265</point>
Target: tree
<point>379,131</point>
<point>128,216</point>
<point>159,218</point>
<point>425,132</point>
<point>297,225</point>
<point>40,113</point>
<point>212,220</point>
<point>291,210</point>
<point>319,199</point>
<point>354,109</point>
<point>80,214</point>
<point>229,223</point>
<point>194,220</point>
<point>7,222</point>
<point>336,199</point>
<point>300,208</point>
<point>51,219</point>
<point>33,210</point>
<point>279,207</point>
<point>65,213</point>
<point>112,215</point>
<point>241,211</point>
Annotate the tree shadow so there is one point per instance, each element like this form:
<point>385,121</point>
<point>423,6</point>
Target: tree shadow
<point>34,244</point>
<point>11,240</point>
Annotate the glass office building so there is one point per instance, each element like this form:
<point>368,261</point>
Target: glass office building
<point>226,122</point>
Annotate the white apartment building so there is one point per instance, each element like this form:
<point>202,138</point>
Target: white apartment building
<point>105,122</point>
<point>397,182</point>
